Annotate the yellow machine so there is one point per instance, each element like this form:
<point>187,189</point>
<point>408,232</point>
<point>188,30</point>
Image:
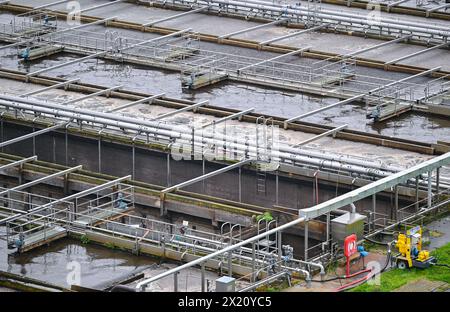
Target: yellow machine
<point>410,254</point>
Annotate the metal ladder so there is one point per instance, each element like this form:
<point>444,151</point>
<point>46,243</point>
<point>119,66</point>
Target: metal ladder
<point>263,152</point>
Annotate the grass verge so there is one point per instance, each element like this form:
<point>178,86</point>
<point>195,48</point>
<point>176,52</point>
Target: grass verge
<point>396,278</point>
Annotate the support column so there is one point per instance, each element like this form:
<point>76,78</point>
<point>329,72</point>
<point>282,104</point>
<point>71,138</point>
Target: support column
<point>328,227</point>
<point>396,203</point>
<point>429,194</point>
<point>100,155</point>
<point>203,173</point>
<point>230,264</point>
<point>240,184</point>
<point>203,277</point>
<point>133,174</point>
<point>54,150</point>
<point>374,210</point>
<point>67,147</point>
<point>66,185</point>
<point>276,188</point>
<point>253,277</point>
<point>1,132</point>
<point>34,142</point>
<point>437,179</point>
<point>306,240</point>
<point>168,169</point>
<point>279,245</point>
<point>175,282</point>
<point>417,193</point>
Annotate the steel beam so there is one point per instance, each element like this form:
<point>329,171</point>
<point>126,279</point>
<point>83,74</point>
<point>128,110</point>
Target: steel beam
<point>375,187</point>
<point>176,16</point>
<point>66,199</point>
<point>252,28</point>
<point>102,21</point>
<point>49,4</point>
<point>59,32</point>
<point>184,109</point>
<point>174,34</point>
<point>144,100</point>
<point>424,73</point>
<point>354,98</point>
<point>439,7</point>
<point>18,162</point>
<point>101,92</point>
<point>99,6</point>
<point>299,51</point>
<point>313,212</point>
<point>416,53</point>
<point>377,46</point>
<point>55,86</point>
<point>293,34</point>
<point>32,134</point>
<point>357,97</point>
<point>393,4</point>
<point>40,180</point>
<point>65,64</point>
<point>327,133</point>
<point>238,114</point>
<point>206,176</point>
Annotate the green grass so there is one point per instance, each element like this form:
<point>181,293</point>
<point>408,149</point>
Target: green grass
<point>396,278</point>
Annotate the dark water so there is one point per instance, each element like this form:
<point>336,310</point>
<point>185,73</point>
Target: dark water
<point>234,95</point>
<point>238,96</point>
<point>98,264</point>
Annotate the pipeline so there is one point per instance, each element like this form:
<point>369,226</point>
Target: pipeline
<point>180,133</point>
<point>338,17</point>
<point>183,132</point>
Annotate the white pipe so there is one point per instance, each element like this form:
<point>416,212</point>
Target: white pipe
<point>337,16</point>
<point>180,132</point>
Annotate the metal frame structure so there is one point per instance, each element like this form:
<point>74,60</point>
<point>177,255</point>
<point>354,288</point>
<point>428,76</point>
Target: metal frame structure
<point>201,9</point>
<point>40,180</point>
<point>206,176</point>
<point>297,33</point>
<point>326,133</point>
<point>55,86</point>
<point>299,51</point>
<point>18,163</point>
<point>257,70</point>
<point>338,20</point>
<point>65,199</point>
<point>33,134</point>
<point>100,6</point>
<point>148,100</point>
<point>148,129</point>
<point>274,23</point>
<point>98,93</point>
<point>394,61</point>
<point>40,71</point>
<point>192,107</point>
<point>306,215</point>
<point>223,119</point>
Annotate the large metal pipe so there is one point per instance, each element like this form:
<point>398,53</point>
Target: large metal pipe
<point>353,15</point>
<point>179,132</point>
<point>327,16</point>
<point>204,138</point>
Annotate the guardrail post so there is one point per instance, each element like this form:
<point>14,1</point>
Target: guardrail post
<point>175,282</point>
<point>417,193</point>
<point>203,276</point>
<point>306,241</point>
<point>429,190</point>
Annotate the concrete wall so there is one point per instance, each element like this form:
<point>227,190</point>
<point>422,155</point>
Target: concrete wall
<point>116,159</point>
